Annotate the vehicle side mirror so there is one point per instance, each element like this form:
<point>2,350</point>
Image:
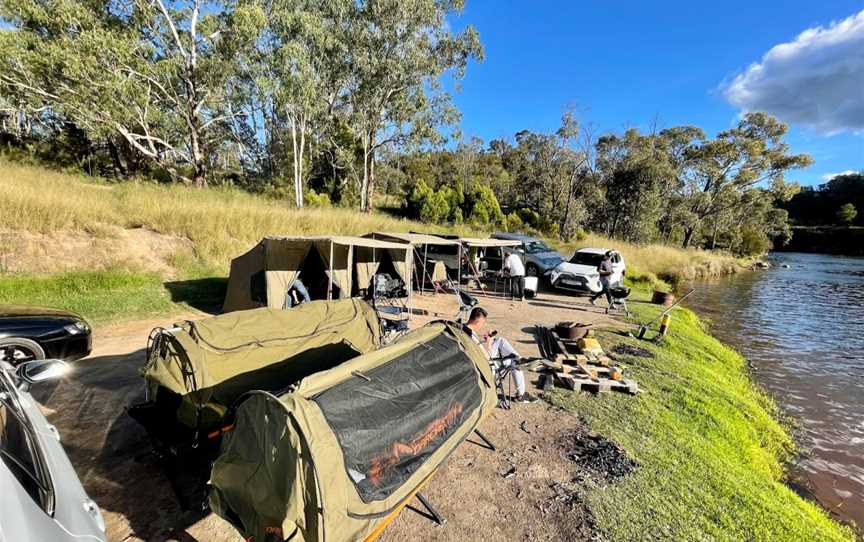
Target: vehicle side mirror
<point>41,370</point>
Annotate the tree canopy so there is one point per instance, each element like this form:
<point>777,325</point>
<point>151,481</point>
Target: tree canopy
<point>340,102</point>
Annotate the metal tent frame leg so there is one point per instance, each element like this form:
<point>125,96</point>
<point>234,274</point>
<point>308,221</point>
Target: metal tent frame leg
<point>436,516</point>
<point>485,440</point>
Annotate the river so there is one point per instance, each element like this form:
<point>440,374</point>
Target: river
<point>802,329</point>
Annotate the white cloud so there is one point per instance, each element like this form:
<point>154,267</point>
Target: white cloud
<point>816,80</point>
<point>828,176</point>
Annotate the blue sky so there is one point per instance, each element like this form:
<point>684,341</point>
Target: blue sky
<point>624,63</point>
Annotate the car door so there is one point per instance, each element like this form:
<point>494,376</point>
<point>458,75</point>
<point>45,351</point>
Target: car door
<point>617,268</point>
<point>42,498</point>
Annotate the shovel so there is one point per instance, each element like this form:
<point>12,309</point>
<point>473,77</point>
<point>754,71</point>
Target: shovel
<point>644,327</point>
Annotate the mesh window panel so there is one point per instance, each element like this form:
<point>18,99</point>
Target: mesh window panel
<point>388,425</point>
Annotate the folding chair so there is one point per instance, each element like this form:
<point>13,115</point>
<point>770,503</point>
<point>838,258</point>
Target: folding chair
<point>503,374</point>
<point>389,305</point>
<point>466,303</point>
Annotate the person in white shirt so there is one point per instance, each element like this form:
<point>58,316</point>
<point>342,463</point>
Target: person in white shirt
<point>498,350</point>
<point>514,267</point>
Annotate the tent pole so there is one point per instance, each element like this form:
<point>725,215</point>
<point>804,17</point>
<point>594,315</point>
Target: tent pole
<point>459,267</point>
<point>423,284</point>
<point>409,260</point>
<point>330,277</point>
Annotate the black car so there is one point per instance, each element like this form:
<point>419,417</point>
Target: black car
<point>28,333</point>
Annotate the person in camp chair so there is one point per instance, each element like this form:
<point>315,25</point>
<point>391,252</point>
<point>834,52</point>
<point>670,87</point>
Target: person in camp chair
<point>499,351</point>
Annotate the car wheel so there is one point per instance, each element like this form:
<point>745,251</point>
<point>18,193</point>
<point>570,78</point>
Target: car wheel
<point>531,270</point>
<point>16,351</point>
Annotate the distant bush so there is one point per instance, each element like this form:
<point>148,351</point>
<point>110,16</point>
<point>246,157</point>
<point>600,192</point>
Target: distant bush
<point>448,204</point>
<point>754,241</point>
<point>314,199</point>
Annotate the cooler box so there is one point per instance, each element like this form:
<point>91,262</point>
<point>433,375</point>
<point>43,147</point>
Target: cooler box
<point>530,287</point>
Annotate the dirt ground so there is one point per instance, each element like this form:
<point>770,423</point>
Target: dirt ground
<point>526,490</point>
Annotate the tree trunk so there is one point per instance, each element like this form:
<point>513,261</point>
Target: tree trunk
<point>688,237</point>
<point>364,186</point>
<point>116,162</point>
<point>370,185</point>
<point>297,157</point>
<point>200,178</point>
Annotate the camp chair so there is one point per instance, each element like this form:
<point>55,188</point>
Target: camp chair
<point>503,373</point>
<point>466,303</point>
<point>389,305</point>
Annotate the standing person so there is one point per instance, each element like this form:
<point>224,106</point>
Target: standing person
<point>516,269</point>
<point>605,271</point>
<point>498,350</point>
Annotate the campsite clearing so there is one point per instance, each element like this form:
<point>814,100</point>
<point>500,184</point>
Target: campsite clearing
<point>110,450</point>
<point>707,449</point>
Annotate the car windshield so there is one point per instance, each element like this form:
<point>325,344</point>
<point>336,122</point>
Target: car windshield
<point>18,449</point>
<point>587,258</point>
<point>536,247</point>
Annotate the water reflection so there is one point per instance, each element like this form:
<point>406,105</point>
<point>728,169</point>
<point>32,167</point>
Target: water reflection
<point>802,329</point>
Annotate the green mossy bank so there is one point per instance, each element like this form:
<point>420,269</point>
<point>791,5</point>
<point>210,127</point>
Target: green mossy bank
<point>710,447</point>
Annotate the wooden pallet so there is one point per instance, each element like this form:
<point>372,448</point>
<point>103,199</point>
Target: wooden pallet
<point>595,385</point>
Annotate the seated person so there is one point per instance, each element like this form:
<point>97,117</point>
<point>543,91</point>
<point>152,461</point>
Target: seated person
<point>296,294</point>
<point>499,351</point>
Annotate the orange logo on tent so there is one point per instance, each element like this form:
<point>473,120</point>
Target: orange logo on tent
<point>390,458</point>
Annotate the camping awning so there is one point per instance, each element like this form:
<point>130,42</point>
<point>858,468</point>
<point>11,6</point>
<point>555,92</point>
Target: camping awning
<point>412,238</point>
<point>345,240</point>
<point>478,242</point>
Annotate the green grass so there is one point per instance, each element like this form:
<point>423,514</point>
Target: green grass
<point>709,443</point>
<point>99,296</point>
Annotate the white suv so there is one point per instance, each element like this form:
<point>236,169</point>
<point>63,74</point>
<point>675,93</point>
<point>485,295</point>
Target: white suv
<point>580,273</point>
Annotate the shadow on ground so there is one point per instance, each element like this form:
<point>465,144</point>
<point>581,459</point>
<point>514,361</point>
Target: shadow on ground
<point>205,294</point>
<point>110,451</point>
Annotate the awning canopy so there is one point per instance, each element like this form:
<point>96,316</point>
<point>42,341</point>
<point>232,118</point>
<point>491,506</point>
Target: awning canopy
<point>412,238</point>
<point>345,240</point>
<point>478,242</point>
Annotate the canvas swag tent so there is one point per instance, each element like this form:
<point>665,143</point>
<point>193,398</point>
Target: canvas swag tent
<point>330,267</point>
<point>200,367</point>
<point>338,457</point>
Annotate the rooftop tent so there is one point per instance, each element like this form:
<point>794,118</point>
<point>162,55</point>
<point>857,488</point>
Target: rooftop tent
<point>262,277</point>
<point>207,364</point>
<point>340,456</point>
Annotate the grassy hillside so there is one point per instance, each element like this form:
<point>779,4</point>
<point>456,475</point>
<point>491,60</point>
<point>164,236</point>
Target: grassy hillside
<point>221,223</point>
<point>710,448</point>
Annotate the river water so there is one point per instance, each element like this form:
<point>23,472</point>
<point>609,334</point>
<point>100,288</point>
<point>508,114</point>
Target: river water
<point>802,329</point>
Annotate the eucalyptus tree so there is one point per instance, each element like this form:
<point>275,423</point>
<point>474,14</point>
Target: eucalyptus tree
<point>398,51</point>
<point>294,79</point>
<point>152,71</point>
<point>720,170</point>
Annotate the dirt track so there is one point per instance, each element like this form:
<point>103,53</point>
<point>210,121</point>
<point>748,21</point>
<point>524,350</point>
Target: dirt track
<point>524,491</point>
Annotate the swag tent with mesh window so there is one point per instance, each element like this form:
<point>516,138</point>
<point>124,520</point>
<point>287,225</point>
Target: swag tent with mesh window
<point>198,368</point>
<point>335,267</point>
<point>339,457</point>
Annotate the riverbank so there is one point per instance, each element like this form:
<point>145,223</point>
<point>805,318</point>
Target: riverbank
<point>711,449</point>
<point>801,327</point>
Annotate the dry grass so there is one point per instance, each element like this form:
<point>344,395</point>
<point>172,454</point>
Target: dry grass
<point>221,222</point>
<point>225,222</point>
